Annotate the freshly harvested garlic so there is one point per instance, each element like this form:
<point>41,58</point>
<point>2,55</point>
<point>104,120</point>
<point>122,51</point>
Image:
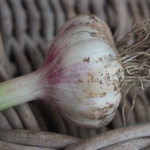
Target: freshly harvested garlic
<point>80,78</point>
<point>85,72</point>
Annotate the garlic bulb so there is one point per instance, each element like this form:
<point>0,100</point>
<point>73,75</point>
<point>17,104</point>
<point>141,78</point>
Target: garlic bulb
<point>81,75</point>
<point>86,74</point>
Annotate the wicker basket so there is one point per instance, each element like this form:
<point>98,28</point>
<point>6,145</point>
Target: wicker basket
<point>27,28</point>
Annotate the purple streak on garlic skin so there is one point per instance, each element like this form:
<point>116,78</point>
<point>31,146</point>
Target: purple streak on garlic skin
<point>83,73</point>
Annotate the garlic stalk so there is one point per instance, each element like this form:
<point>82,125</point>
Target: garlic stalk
<point>80,78</point>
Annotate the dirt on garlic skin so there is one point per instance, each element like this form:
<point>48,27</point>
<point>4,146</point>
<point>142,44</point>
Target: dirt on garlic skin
<point>102,83</point>
<point>88,121</point>
<point>103,33</point>
<point>93,112</point>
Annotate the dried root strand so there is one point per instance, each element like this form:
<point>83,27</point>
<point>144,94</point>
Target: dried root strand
<point>134,51</point>
<point>125,93</point>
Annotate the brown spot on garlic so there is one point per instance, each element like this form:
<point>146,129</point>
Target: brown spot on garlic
<point>79,81</point>
<point>96,113</point>
<point>102,94</point>
<point>91,94</point>
<point>115,88</point>
<point>86,59</point>
<point>100,82</point>
<point>87,114</point>
<point>86,126</point>
<point>91,77</point>
<point>99,60</point>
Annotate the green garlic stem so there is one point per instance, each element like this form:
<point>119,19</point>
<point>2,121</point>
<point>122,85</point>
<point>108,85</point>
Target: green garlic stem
<point>19,90</point>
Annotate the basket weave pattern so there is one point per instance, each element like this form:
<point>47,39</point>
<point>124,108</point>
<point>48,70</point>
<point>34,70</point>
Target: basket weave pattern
<point>27,29</point>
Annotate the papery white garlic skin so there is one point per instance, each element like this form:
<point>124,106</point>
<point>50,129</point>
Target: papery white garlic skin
<point>86,75</point>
